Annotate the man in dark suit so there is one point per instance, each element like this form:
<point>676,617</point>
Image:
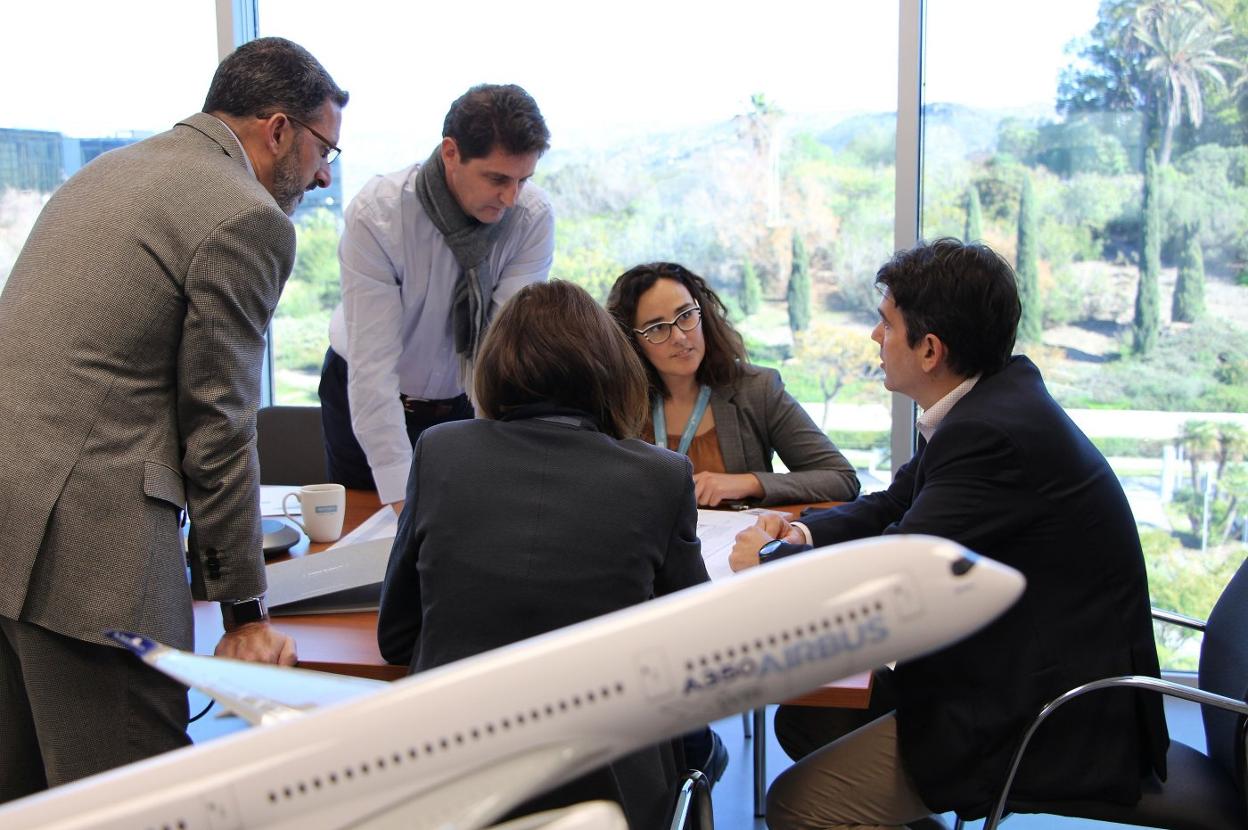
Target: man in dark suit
<point>1001,469</point>
<point>132,332</point>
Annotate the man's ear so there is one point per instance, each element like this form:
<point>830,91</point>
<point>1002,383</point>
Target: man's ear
<point>278,132</point>
<point>932,352</point>
<point>450,150</point>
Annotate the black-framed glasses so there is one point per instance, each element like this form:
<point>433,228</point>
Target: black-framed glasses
<point>686,320</point>
<point>332,151</point>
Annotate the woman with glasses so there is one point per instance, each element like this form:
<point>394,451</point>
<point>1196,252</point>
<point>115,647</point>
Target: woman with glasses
<point>710,403</point>
<point>544,511</point>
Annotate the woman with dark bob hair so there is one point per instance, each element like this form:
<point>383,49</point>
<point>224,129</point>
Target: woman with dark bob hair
<point>543,512</point>
<point>708,402</point>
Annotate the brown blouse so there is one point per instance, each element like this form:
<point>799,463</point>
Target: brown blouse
<point>703,451</point>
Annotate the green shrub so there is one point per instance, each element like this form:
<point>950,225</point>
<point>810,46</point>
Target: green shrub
<point>1197,368</point>
<point>1185,582</point>
<point>859,440</point>
<point>1130,447</point>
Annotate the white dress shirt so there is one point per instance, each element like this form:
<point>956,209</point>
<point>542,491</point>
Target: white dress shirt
<point>394,327</point>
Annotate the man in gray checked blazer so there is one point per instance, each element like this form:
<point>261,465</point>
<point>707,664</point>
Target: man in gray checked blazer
<point>131,335</point>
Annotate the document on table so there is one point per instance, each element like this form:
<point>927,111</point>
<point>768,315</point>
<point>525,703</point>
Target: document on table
<point>271,496</point>
<point>718,531</point>
<point>384,524</point>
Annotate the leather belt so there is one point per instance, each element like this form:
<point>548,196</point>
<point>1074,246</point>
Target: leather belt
<point>429,409</point>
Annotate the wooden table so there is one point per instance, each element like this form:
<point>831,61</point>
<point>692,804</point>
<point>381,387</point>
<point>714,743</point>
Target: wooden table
<point>339,643</point>
<point>346,643</point>
<point>852,692</point>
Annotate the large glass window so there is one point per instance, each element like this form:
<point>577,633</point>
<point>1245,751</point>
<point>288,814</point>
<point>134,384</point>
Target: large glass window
<point>755,148</point>
<point>1100,147</point>
<point>84,80</point>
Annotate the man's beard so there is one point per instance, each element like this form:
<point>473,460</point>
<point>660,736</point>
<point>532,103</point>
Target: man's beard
<point>287,188</point>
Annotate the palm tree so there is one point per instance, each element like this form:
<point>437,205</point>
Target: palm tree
<point>1182,39</point>
<point>760,126</point>
<point>1199,442</point>
<point>1232,445</point>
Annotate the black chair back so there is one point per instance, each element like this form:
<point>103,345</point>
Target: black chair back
<point>290,445</point>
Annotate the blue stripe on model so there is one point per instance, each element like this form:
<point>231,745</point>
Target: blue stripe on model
<point>136,643</point>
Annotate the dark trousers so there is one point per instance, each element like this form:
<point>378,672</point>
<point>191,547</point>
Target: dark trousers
<point>344,457</point>
<point>69,709</point>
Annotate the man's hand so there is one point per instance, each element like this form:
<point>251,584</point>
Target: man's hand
<point>769,526</point>
<point>713,488</point>
<point>257,642</point>
<point>745,551</point>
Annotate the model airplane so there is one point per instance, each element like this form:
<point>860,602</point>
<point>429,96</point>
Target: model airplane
<point>459,746</point>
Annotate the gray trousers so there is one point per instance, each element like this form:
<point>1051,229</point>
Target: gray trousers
<point>69,709</point>
<point>855,782</point>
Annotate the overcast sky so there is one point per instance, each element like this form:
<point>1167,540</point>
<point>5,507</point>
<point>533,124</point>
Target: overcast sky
<point>598,71</point>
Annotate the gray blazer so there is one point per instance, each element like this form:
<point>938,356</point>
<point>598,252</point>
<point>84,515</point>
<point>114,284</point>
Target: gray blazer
<point>755,418</point>
<point>131,338</point>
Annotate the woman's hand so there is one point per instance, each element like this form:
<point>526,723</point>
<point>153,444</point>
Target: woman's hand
<point>713,488</point>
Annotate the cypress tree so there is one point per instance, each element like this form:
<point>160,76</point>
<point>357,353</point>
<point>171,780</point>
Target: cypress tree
<point>1030,327</point>
<point>1189,289</point>
<point>799,287</point>
<point>751,289</point>
<point>974,216</point>
<point>1147,303</point>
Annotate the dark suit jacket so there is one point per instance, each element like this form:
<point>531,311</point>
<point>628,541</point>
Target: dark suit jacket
<point>515,528</point>
<point>1009,475</point>
<point>132,334</point>
<point>756,418</point>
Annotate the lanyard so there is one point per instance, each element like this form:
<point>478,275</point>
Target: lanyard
<point>686,438</point>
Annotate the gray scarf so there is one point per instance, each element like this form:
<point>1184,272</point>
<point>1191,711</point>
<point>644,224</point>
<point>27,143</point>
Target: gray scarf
<point>471,242</point>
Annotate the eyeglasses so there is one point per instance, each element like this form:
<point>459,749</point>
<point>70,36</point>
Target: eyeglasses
<point>686,320</point>
<point>332,152</point>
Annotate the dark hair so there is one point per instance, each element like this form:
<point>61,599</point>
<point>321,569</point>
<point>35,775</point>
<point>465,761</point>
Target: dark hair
<point>551,343</point>
<point>268,75</point>
<point>964,293</point>
<point>725,352</point>
<point>490,115</point>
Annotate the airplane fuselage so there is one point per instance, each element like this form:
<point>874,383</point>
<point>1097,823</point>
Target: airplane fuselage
<point>468,741</point>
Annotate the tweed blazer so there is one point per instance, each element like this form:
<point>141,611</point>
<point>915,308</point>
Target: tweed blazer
<point>132,334</point>
<point>1009,475</point>
<point>756,418</point>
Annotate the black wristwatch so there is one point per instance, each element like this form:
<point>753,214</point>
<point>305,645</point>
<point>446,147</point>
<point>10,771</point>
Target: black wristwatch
<point>234,614</point>
<point>768,551</point>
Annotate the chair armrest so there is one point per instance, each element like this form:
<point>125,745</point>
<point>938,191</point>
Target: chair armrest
<point>1171,617</point>
<point>1165,687</point>
<point>693,801</point>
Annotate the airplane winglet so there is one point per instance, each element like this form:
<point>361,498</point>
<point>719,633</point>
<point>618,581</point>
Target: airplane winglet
<point>136,643</point>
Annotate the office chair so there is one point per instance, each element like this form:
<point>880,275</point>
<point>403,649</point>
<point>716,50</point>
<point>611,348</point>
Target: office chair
<point>290,444</point>
<point>693,804</point>
<point>1201,791</point>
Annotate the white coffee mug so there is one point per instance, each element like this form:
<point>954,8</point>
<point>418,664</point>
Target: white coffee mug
<point>323,508</point>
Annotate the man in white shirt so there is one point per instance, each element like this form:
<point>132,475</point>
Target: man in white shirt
<point>428,254</point>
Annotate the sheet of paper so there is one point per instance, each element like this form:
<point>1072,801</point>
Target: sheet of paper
<point>718,531</point>
<point>271,496</point>
<point>383,524</point>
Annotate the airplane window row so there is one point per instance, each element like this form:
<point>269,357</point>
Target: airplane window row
<point>784,637</point>
<point>445,743</point>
